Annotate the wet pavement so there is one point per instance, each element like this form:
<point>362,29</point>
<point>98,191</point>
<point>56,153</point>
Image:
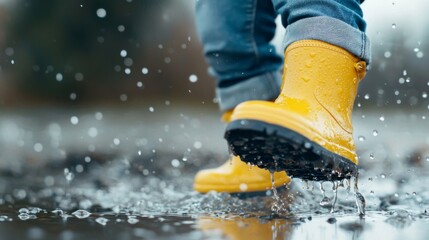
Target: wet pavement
<point>127,174</point>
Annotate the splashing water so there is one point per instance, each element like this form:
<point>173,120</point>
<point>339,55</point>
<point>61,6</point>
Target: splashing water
<point>276,206</point>
<point>360,203</point>
<point>335,189</point>
<point>326,201</point>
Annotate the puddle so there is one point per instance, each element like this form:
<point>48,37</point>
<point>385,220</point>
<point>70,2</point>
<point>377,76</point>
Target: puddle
<point>142,194</point>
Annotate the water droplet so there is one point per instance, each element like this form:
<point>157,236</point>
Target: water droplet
<point>387,54</point>
<point>139,84</point>
<point>193,78</point>
<point>360,203</point>
<point>123,97</point>
<point>371,156</point>
<point>121,28</point>
<point>123,53</point>
<point>419,55</point>
<point>335,189</point>
<point>68,175</point>
<point>361,138</point>
<point>38,147</point>
<point>175,163</point>
<point>382,118</point>
<point>243,187</point>
<point>128,62</point>
<point>58,212</point>
<point>151,109</point>
<point>145,71</point>
<point>74,120</point>
<point>24,210</point>
<point>73,96</point>
<point>375,133</point>
<point>197,145</point>
<point>393,26</point>
<point>325,202</point>
<point>78,76</point>
<point>116,141</point>
<point>26,216</point>
<point>366,96</point>
<point>102,221</point>
<point>81,214</point>
<point>9,51</point>
<point>132,220</point>
<point>59,77</point>
<point>277,204</point>
<point>98,116</point>
<point>101,13</point>
<point>92,132</point>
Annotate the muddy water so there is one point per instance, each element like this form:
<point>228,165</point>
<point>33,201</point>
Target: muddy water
<point>142,188</point>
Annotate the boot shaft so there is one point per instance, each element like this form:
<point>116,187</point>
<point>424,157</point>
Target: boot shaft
<point>321,77</point>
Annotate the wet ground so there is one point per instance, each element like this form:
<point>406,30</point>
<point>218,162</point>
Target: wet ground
<point>127,174</point>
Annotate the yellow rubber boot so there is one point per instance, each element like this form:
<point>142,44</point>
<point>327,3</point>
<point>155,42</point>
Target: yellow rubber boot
<point>308,130</point>
<point>235,176</point>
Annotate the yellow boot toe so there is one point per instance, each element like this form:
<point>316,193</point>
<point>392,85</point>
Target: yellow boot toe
<point>235,176</point>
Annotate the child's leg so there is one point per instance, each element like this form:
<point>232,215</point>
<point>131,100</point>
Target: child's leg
<point>307,131</point>
<point>338,22</point>
<point>236,37</point>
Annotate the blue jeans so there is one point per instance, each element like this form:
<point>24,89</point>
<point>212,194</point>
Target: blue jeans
<point>236,37</point>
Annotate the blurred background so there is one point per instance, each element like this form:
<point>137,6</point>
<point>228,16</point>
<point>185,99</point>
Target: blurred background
<point>105,52</point>
<point>79,53</point>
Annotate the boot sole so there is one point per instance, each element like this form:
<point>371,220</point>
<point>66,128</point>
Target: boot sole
<point>246,195</point>
<point>277,148</point>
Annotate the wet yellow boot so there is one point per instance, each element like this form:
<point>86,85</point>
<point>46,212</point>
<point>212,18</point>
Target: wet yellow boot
<point>307,131</point>
<point>235,176</point>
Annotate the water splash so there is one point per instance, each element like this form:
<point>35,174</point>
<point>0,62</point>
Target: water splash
<point>276,206</point>
<point>360,203</point>
<point>81,214</point>
<point>335,189</point>
<point>326,201</point>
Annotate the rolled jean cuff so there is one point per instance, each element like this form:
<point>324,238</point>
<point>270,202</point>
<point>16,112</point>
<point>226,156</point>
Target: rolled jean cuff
<point>330,30</point>
<point>261,87</point>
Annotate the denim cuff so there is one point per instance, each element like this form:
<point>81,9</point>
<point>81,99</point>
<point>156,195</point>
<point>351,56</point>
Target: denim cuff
<point>261,87</point>
<point>330,30</point>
